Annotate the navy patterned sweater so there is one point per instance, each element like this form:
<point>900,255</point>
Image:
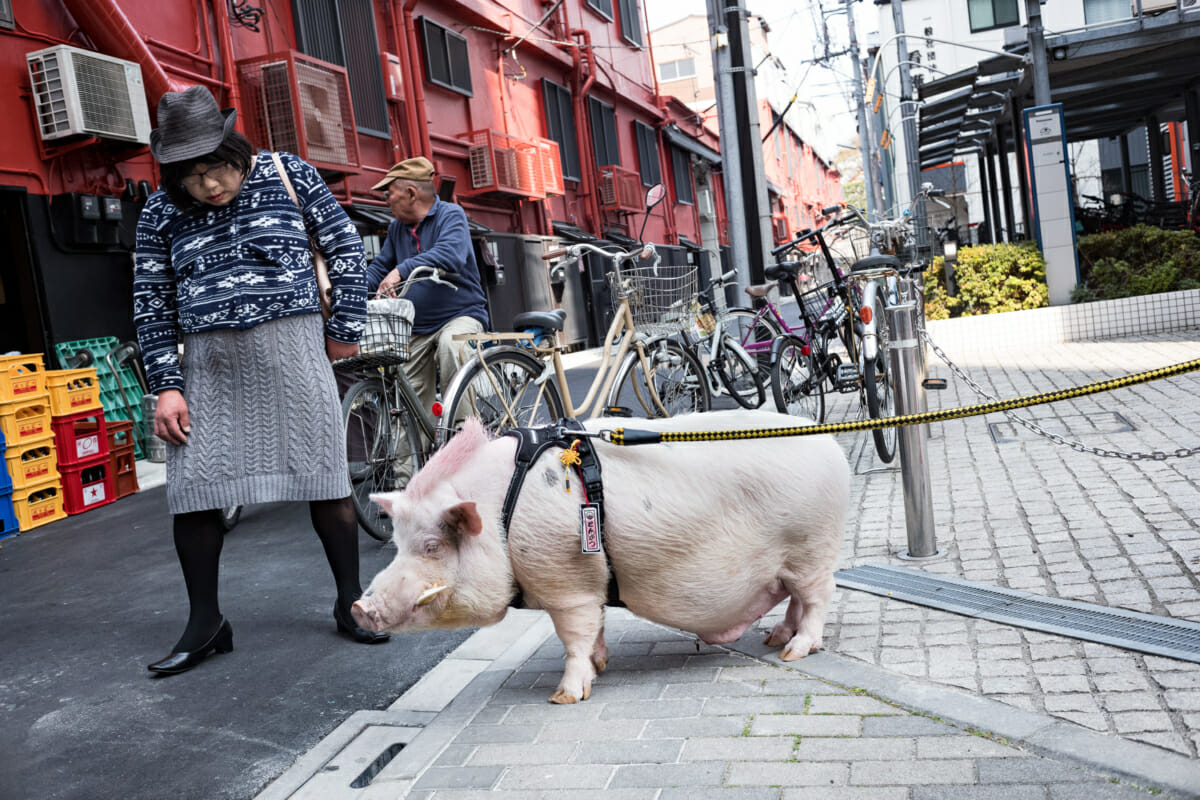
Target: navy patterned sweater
<point>242,264</point>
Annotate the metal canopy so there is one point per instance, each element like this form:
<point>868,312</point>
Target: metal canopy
<point>1109,79</point>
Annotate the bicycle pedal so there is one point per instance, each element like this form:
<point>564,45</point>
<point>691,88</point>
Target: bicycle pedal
<point>847,379</point>
<point>617,411</point>
<point>934,383</point>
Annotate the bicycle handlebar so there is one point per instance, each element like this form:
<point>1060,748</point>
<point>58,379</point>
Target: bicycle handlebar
<point>576,250</point>
<point>438,275</point>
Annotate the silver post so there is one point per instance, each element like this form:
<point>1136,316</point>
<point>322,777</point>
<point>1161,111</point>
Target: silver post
<point>908,371</point>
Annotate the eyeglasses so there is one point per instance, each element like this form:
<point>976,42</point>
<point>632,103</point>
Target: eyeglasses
<point>218,172</point>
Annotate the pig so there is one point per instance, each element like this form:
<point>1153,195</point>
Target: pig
<point>705,537</point>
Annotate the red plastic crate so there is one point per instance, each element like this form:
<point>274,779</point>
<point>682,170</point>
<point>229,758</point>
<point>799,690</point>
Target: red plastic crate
<point>87,485</point>
<point>79,437</point>
<point>123,467</point>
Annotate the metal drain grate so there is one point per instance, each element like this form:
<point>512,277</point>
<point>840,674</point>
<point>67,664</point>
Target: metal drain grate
<point>1130,630</point>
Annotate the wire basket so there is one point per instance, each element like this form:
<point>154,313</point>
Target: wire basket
<point>821,303</point>
<point>658,296</point>
<point>388,330</point>
<point>852,243</point>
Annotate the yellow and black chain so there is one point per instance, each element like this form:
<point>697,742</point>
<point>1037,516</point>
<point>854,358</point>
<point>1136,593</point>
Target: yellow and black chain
<point>623,436</point>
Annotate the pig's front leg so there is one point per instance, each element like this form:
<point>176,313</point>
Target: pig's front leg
<point>799,632</point>
<point>581,631</point>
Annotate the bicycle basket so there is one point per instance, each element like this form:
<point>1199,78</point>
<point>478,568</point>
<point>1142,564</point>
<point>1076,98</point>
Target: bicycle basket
<point>388,329</point>
<point>821,303</point>
<point>658,302</point>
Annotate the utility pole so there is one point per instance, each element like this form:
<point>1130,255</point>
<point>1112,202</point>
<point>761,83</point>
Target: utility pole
<point>756,209</point>
<point>731,165</point>
<point>908,114</point>
<point>865,139</point>
<point>1037,52</point>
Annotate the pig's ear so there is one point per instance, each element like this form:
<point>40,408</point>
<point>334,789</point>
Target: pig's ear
<point>386,501</point>
<point>463,518</point>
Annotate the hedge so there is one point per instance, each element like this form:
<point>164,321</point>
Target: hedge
<point>991,278</point>
<point>1136,261</point>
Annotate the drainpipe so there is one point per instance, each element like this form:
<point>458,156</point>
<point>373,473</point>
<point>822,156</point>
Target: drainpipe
<point>110,29</point>
<point>582,128</point>
<point>400,45</point>
<point>416,80</point>
<point>221,20</point>
<point>665,120</point>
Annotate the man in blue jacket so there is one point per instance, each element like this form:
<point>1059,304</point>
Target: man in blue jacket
<point>428,231</point>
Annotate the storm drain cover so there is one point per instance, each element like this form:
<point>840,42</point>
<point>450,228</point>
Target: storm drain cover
<point>1072,426</point>
<point>1130,630</point>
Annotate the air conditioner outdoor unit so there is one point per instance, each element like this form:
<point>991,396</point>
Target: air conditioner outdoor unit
<point>620,189</point>
<point>76,91</point>
<point>1154,6</point>
<point>504,164</point>
<point>779,228</point>
<point>300,105</point>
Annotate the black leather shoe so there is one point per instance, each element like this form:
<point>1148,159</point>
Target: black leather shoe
<point>220,642</point>
<point>350,628</point>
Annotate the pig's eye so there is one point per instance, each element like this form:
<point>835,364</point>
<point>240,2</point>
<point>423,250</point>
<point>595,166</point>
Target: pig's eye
<point>433,548</point>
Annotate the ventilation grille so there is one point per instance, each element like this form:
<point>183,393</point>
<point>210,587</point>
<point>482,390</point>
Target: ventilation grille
<point>620,189</point>
<point>504,164</point>
<point>300,105</point>
<point>80,92</point>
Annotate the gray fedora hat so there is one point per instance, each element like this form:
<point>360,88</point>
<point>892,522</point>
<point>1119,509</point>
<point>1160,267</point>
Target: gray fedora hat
<point>190,125</point>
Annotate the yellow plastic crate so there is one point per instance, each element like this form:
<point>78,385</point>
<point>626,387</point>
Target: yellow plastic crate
<point>72,391</point>
<point>31,462</point>
<point>38,504</point>
<point>26,420</point>
<point>21,377</point>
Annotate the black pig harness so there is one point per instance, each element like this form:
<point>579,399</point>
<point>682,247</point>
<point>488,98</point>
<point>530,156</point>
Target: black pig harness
<point>570,435</point>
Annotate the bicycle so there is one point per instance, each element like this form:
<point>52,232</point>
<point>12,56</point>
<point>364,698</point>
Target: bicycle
<point>388,433</point>
<point>729,369</point>
<point>518,378</point>
<point>850,310</point>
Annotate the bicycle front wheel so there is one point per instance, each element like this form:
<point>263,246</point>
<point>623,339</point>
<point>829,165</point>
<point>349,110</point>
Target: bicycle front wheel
<point>502,390</point>
<point>754,332</point>
<point>739,374</point>
<point>797,385</point>
<point>877,384</point>
<point>673,371</point>
<point>383,450</point>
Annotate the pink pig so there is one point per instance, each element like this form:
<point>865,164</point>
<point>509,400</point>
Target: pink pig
<point>705,537</point>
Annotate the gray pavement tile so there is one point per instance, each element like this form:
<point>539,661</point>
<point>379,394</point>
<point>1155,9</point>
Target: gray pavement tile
<point>635,751</point>
<point>745,748</point>
<point>556,777</point>
<point>487,755</point>
<point>1105,790</point>
<point>817,748</point>
<point>603,730</point>
<point>684,728</point>
<point>914,725</point>
<point>458,778</point>
<point>710,793</point>
<point>912,773</point>
<point>789,774</point>
<point>1031,770</point>
<point>846,793</point>
<point>777,704</point>
<point>479,734</point>
<point>701,774</point>
<point>652,709</point>
<point>980,793</point>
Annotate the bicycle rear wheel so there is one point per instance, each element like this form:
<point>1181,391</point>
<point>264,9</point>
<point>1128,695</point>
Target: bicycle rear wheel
<point>383,450</point>
<point>674,372</point>
<point>797,385</point>
<point>739,374</point>
<point>754,332</point>
<point>877,385</point>
<point>502,390</point>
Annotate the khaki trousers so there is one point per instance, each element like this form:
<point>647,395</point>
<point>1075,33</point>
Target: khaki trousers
<point>437,352</point>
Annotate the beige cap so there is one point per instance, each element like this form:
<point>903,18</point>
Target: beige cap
<point>411,169</point>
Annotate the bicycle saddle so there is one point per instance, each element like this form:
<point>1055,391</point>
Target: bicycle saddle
<point>552,320</point>
<point>784,269</point>
<point>876,262</point>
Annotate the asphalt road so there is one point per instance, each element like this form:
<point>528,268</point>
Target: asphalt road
<point>87,602</point>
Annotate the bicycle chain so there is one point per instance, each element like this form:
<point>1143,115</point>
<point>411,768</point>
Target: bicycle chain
<point>1157,455</point>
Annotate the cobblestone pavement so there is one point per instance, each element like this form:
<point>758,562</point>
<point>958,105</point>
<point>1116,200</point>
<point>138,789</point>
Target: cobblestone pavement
<point>906,702</point>
<point>1015,510</point>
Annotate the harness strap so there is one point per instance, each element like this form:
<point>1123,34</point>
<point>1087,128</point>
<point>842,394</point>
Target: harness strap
<point>531,443</point>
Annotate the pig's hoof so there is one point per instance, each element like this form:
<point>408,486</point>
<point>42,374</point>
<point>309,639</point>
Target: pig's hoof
<point>599,662</point>
<point>797,650</point>
<point>779,636</point>
<point>563,698</point>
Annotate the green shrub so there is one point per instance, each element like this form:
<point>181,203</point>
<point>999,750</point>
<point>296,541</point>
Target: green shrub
<point>991,278</point>
<point>1136,261</point>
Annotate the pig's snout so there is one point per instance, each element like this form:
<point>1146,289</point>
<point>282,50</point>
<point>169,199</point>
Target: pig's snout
<point>366,615</point>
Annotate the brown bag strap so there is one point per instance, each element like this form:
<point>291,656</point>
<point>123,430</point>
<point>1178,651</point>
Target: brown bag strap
<point>283,176</point>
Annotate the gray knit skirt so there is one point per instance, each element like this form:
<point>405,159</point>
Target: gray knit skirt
<point>265,417</point>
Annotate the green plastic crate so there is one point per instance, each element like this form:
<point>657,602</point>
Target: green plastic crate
<point>110,392</point>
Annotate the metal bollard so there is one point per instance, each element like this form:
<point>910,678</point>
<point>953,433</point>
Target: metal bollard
<point>907,363</point>
<point>154,448</point>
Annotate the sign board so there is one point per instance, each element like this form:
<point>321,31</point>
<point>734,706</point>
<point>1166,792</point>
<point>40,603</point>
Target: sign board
<point>1053,206</point>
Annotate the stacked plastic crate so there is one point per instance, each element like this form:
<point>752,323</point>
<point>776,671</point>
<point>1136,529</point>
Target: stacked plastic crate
<point>81,439</point>
<point>122,458</point>
<point>120,389</point>
<point>29,452</point>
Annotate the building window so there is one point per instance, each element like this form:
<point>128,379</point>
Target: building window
<point>681,167</point>
<point>604,133</point>
<point>601,7</point>
<point>631,21</point>
<point>6,15</point>
<point>446,62</point>
<point>342,32</point>
<point>647,150</point>
<point>1098,11</point>
<point>677,70</point>
<point>560,126</point>
<point>987,14</point>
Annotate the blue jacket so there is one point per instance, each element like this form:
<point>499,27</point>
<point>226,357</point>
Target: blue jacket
<point>242,264</point>
<point>442,239</point>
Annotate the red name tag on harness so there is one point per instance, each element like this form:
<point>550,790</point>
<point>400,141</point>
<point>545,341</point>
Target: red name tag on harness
<point>589,528</point>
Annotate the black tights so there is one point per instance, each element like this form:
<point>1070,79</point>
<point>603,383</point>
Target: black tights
<point>198,539</point>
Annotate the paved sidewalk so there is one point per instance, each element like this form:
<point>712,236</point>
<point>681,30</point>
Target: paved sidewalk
<point>906,702</point>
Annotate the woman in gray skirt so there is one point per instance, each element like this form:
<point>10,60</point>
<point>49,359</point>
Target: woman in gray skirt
<point>250,411</point>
